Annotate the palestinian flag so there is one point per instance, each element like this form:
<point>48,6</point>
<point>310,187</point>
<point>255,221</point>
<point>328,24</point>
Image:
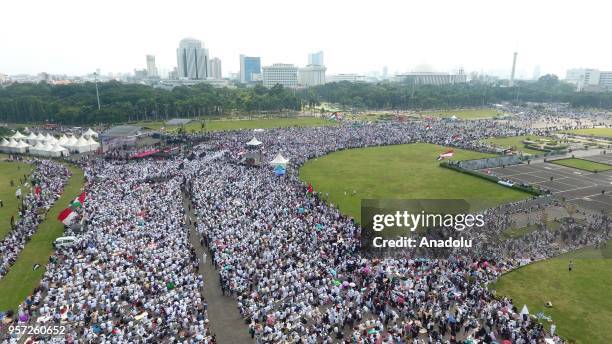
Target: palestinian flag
<point>78,202</point>
<point>447,154</point>
<point>66,216</point>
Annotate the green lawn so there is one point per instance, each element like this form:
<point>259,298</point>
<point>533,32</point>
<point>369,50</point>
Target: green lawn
<point>11,171</point>
<point>582,299</point>
<point>21,279</point>
<point>516,142</point>
<point>464,113</point>
<point>601,132</point>
<point>399,172</point>
<point>582,164</point>
<point>234,124</point>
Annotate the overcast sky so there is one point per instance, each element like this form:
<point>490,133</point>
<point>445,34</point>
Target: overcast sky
<point>77,36</point>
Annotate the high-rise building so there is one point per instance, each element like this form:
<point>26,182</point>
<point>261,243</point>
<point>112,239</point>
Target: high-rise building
<point>280,73</point>
<point>249,67</point>
<point>316,59</point>
<point>192,59</point>
<point>151,68</point>
<point>588,79</point>
<point>537,71</point>
<point>215,68</point>
<point>312,75</point>
<point>350,77</point>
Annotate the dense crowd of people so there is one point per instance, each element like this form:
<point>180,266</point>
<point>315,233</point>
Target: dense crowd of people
<point>45,186</point>
<point>292,262</point>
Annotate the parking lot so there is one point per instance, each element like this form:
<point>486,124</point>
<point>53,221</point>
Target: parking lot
<point>577,186</point>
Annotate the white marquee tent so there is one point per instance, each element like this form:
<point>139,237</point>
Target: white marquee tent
<point>279,160</point>
<point>254,142</point>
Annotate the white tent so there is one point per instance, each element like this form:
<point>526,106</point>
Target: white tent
<point>93,145</point>
<point>63,151</point>
<point>71,143</point>
<point>18,136</point>
<point>21,147</point>
<point>82,145</point>
<point>524,311</point>
<point>46,149</point>
<point>32,138</point>
<point>41,137</point>
<point>62,140</point>
<point>10,147</point>
<point>57,151</point>
<point>254,142</point>
<point>37,149</point>
<point>279,160</point>
<point>90,133</point>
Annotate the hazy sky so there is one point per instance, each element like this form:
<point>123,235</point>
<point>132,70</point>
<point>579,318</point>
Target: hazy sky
<point>76,37</point>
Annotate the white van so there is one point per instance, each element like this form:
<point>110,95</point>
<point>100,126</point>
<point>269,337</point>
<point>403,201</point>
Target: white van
<point>65,242</point>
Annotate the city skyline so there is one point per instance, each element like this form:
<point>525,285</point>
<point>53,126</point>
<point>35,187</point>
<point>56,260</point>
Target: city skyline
<point>475,36</point>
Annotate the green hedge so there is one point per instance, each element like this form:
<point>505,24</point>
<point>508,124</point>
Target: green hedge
<point>528,189</point>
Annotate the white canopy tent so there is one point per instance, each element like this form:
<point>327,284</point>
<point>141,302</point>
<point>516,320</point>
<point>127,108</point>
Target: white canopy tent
<point>37,149</point>
<point>279,160</point>
<point>32,138</point>
<point>82,145</point>
<point>254,142</point>
<point>21,147</point>
<point>4,145</point>
<point>41,137</point>
<point>90,133</point>
<point>10,147</point>
<point>71,143</point>
<point>18,136</point>
<point>62,140</point>
<point>93,145</point>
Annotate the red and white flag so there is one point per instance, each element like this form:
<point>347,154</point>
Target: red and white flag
<point>447,154</point>
<point>67,216</point>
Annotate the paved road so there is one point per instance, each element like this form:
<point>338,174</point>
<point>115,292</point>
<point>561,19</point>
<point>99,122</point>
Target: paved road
<point>225,320</point>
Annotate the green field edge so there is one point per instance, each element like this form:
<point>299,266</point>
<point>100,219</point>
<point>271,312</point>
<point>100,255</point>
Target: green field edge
<point>605,167</point>
<point>21,280</point>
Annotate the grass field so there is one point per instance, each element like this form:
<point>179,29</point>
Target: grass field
<point>464,113</point>
<point>601,132</point>
<point>398,172</point>
<point>235,124</point>
<point>11,171</point>
<point>582,299</point>
<point>517,142</point>
<point>21,279</point>
<point>582,164</point>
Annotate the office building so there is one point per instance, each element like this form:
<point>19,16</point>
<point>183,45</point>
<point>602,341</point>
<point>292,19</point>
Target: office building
<point>192,60</point>
<point>346,77</point>
<point>249,67</point>
<point>589,79</point>
<point>316,59</point>
<point>311,75</point>
<point>151,68</point>
<point>280,73</point>
<point>215,68</point>
<point>431,78</point>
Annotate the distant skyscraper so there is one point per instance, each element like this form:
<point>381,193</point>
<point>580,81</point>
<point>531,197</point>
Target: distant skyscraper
<point>316,59</point>
<point>311,75</point>
<point>280,73</point>
<point>192,59</point>
<point>385,72</point>
<point>151,68</point>
<point>536,72</point>
<point>249,66</point>
<point>513,70</point>
<point>215,68</point>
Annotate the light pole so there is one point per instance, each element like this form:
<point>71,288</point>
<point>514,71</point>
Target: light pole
<point>97,94</point>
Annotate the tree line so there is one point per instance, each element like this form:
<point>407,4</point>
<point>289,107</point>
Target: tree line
<point>77,104</point>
